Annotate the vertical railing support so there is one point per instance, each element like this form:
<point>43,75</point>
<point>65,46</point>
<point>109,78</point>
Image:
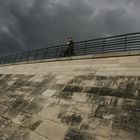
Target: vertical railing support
<point>5,59</point>
<point>125,44</point>
<point>36,54</point>
<point>56,51</point>
<point>10,57</point>
<point>104,45</point>
<point>21,57</point>
<point>15,58</point>
<point>1,59</point>
<point>62,51</point>
<point>85,48</point>
<point>46,51</point>
<point>28,55</point>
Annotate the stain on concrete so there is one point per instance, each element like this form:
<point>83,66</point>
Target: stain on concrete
<point>12,131</point>
<point>31,122</point>
<point>120,115</point>
<point>72,119</point>
<point>74,134</point>
<point>70,88</point>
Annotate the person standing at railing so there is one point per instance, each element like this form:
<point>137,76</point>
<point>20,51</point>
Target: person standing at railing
<point>70,48</point>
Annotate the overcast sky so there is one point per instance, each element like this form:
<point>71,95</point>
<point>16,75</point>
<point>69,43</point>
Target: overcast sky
<point>31,24</point>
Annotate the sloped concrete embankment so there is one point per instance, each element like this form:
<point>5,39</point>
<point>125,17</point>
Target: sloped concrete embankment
<point>91,99</point>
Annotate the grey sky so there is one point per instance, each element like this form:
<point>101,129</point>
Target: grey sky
<point>31,24</point>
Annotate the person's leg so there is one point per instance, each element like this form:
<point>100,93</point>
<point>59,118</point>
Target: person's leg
<point>71,51</point>
<point>68,51</point>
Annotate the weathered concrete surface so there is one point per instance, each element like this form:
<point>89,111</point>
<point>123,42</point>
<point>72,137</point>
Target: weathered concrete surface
<point>89,99</point>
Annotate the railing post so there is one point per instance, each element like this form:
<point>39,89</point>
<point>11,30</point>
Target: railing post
<point>36,54</point>
<point>104,45</point>
<point>10,57</point>
<point>28,55</point>
<point>5,59</point>
<point>15,58</point>
<point>85,48</point>
<point>56,51</point>
<point>62,51</point>
<point>1,60</point>
<point>46,51</point>
<point>21,57</point>
<point>125,47</point>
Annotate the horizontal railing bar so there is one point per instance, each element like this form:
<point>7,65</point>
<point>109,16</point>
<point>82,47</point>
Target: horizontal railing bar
<point>133,37</point>
<point>114,44</point>
<point>111,42</point>
<point>115,39</point>
<point>110,37</point>
<point>128,42</point>
<point>132,45</point>
<point>101,43</point>
<point>115,48</point>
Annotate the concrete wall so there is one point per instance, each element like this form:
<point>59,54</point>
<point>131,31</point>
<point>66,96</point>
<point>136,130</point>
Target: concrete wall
<point>128,65</point>
<point>87,99</point>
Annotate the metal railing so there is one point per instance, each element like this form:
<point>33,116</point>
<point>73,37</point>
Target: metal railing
<point>125,42</point>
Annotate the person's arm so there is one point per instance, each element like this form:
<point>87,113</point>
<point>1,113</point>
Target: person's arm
<point>68,43</point>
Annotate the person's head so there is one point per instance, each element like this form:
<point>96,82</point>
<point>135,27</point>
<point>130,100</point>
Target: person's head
<point>70,38</point>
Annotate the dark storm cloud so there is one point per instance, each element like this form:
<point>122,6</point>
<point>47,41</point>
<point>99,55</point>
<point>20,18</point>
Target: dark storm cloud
<point>31,24</point>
